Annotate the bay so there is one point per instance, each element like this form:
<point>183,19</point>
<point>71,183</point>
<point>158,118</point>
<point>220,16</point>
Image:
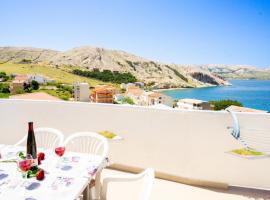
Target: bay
<point>251,93</point>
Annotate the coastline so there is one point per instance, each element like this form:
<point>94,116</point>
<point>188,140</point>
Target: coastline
<point>182,88</point>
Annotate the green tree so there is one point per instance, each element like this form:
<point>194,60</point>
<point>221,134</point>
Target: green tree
<point>223,104</point>
<point>128,100</point>
<point>34,85</point>
<point>107,76</point>
<point>26,87</point>
<point>4,88</point>
<point>4,76</point>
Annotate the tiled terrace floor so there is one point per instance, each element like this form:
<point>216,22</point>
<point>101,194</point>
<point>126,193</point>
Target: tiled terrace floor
<point>167,190</point>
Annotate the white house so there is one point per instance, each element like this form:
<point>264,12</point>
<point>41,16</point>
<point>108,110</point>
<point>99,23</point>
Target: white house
<point>193,104</point>
<point>154,98</point>
<point>39,78</point>
<point>81,92</point>
<point>136,95</point>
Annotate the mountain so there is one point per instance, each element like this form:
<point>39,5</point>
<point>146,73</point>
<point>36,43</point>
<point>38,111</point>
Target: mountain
<point>89,58</point>
<point>238,71</point>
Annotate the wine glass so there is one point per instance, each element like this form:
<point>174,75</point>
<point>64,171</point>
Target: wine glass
<point>59,151</point>
<point>25,164</point>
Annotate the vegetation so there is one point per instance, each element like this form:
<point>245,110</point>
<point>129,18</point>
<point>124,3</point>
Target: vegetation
<point>247,152</point>
<point>223,104</point>
<point>4,76</point>
<point>4,95</point>
<point>177,73</point>
<point>63,92</point>
<point>25,61</point>
<point>128,100</point>
<point>34,85</point>
<point>131,64</point>
<point>59,74</point>
<point>4,88</point>
<point>107,76</point>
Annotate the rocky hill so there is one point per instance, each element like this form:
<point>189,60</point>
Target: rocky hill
<point>89,58</point>
<point>238,71</point>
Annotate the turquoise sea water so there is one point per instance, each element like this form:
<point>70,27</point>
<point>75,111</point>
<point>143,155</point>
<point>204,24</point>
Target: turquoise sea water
<point>252,93</point>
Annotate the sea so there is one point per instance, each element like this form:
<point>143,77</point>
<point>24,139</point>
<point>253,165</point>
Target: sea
<point>251,93</point>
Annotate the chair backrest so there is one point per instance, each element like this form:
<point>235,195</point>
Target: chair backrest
<point>47,138</point>
<point>87,142</point>
<point>147,175</point>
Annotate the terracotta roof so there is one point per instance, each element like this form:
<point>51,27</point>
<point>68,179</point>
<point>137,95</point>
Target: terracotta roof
<point>244,109</point>
<point>104,87</point>
<point>35,96</point>
<point>154,94</point>
<point>132,87</point>
<point>22,77</point>
<point>136,92</point>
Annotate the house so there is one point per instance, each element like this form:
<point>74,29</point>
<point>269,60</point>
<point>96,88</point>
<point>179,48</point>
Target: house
<point>123,86</point>
<point>103,94</point>
<point>193,104</point>
<point>39,78</point>
<point>81,92</point>
<point>135,94</point>
<point>244,109</point>
<point>118,97</point>
<point>18,83</point>
<point>35,96</point>
<point>139,84</point>
<point>153,98</point>
<point>136,84</point>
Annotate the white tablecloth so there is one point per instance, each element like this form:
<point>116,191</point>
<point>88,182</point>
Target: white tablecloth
<point>64,181</point>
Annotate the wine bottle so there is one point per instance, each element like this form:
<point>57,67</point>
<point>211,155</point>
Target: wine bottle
<point>31,142</point>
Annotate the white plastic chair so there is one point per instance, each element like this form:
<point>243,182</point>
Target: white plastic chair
<point>148,175</point>
<point>87,142</point>
<point>93,144</point>
<point>47,138</point>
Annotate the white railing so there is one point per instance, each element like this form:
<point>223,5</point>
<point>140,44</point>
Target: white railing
<point>192,144</point>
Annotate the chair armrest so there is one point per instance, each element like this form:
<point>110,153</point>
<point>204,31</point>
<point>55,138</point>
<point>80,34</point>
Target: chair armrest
<point>106,181</point>
<point>127,178</point>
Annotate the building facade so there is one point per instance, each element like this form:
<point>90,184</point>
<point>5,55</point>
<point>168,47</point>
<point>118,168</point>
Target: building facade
<point>193,104</point>
<point>18,83</point>
<point>103,94</point>
<point>81,92</point>
<point>154,98</point>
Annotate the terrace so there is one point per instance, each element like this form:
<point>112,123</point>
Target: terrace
<point>189,150</point>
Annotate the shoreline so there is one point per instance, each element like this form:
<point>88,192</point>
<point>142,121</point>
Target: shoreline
<point>182,88</point>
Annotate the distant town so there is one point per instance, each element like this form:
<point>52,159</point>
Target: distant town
<point>39,87</point>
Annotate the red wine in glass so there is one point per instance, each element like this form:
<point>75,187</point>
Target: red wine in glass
<point>60,151</point>
<point>25,165</point>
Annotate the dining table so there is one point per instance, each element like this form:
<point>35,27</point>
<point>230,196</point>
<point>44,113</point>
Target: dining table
<point>66,178</point>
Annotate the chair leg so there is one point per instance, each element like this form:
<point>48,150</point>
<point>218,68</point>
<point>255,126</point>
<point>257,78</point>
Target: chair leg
<point>86,195</point>
<point>97,187</point>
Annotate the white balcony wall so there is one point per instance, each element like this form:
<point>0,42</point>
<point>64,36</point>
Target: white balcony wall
<point>192,144</point>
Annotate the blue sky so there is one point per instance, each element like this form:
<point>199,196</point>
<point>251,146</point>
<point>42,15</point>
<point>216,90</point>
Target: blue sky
<point>172,31</point>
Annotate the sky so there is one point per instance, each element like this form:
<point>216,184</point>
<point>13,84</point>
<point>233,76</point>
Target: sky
<point>170,31</point>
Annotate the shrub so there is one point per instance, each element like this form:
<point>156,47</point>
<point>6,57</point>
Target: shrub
<point>4,95</point>
<point>223,104</point>
<point>128,100</point>
<point>107,76</point>
<point>4,76</point>
<point>34,85</point>
<point>4,88</point>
